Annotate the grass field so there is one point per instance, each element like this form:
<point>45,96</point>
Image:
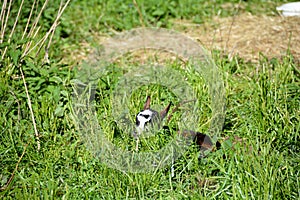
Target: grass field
<point>39,60</point>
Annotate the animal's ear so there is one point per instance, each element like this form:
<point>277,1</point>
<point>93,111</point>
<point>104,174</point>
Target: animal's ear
<point>165,111</point>
<point>147,103</point>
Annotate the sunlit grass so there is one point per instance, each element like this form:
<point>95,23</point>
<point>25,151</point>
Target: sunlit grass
<point>262,106</point>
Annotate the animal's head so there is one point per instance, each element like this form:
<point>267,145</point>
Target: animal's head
<point>150,117</point>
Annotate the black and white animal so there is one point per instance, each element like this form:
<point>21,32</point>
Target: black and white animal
<point>150,118</point>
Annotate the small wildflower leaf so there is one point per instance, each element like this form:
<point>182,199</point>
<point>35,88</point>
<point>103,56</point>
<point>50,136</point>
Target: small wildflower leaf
<point>55,79</point>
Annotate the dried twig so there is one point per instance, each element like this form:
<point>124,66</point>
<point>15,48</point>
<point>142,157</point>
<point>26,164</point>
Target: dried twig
<point>33,29</point>
<point>13,28</point>
<point>53,27</point>
<point>31,111</point>
<point>46,57</point>
<point>3,26</point>
<point>4,19</point>
<point>29,19</point>
<point>14,172</point>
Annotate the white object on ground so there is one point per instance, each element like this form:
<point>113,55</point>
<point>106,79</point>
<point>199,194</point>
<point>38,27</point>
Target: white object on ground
<point>290,9</point>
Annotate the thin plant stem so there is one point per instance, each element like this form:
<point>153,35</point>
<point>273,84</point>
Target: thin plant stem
<point>46,57</point>
<point>2,16</point>
<point>13,29</point>
<point>5,23</point>
<point>29,35</point>
<point>14,172</point>
<point>29,19</point>
<point>31,111</point>
<point>53,27</point>
<point>141,18</point>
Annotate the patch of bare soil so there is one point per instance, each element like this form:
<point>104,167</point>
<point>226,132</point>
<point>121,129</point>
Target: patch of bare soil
<point>247,35</point>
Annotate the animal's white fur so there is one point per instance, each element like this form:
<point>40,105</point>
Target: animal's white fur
<point>142,120</point>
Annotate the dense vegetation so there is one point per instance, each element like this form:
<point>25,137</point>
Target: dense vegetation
<point>37,70</point>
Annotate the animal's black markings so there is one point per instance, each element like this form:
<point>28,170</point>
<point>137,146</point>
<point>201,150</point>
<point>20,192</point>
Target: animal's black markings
<point>146,116</point>
<point>153,117</point>
<point>202,141</point>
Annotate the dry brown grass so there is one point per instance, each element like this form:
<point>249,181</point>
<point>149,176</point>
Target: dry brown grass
<point>247,35</point>
<point>244,35</point>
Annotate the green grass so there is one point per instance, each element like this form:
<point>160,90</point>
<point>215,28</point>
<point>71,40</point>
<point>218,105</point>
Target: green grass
<point>262,106</point>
